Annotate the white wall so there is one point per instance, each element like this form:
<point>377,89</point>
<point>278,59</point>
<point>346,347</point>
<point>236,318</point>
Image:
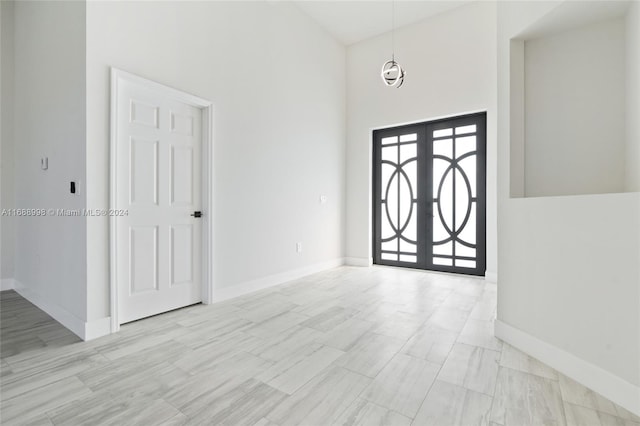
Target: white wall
<point>632,168</point>
<point>278,86</point>
<point>6,135</point>
<point>450,61</point>
<point>575,111</point>
<point>50,261</point>
<point>569,266</point>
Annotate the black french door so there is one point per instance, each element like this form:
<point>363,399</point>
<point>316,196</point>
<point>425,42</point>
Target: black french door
<point>429,195</point>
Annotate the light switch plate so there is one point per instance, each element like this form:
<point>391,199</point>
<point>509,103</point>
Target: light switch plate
<point>44,163</point>
<point>77,186</point>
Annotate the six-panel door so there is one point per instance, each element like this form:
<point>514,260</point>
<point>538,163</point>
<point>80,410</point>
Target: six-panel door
<point>158,181</point>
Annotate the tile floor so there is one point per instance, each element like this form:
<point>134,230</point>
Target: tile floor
<point>349,346</point>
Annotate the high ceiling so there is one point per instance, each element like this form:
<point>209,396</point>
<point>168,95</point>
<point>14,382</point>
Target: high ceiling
<point>353,21</point>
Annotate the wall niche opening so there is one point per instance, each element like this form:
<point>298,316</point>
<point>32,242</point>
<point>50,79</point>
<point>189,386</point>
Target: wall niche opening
<point>574,102</point>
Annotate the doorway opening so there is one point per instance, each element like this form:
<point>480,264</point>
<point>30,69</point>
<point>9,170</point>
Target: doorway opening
<point>161,234</point>
<point>429,195</point>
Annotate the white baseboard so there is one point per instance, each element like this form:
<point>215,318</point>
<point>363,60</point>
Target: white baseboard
<point>7,284</point>
<point>358,261</point>
<point>84,330</point>
<point>241,289</point>
<point>616,389</point>
<point>491,276</point>
<point>97,328</point>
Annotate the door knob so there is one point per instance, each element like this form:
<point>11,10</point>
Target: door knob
<point>196,214</point>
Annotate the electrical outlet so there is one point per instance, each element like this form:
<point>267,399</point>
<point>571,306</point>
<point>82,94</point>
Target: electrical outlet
<point>323,199</point>
<point>298,247</point>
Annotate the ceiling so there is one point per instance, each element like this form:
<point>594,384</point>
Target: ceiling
<point>353,21</point>
<point>573,14</point>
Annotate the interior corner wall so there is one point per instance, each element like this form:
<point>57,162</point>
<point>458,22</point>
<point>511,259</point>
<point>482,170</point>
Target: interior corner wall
<point>451,70</point>
<point>632,154</point>
<point>277,83</point>
<point>49,121</point>
<point>569,283</point>
<point>575,111</point>
<point>7,223</point>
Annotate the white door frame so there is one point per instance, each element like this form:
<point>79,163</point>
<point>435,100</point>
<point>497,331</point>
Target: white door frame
<point>206,107</point>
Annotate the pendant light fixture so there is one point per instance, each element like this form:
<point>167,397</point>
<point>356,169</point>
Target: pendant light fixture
<point>392,73</point>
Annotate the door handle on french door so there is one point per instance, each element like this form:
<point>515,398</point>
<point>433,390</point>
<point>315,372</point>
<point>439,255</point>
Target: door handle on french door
<point>196,214</point>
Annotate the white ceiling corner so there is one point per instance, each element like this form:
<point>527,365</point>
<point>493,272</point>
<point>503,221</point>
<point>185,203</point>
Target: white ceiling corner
<point>351,21</point>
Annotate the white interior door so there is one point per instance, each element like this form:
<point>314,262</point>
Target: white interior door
<point>158,166</point>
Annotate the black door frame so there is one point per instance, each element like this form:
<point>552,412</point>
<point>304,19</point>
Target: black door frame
<point>425,191</point>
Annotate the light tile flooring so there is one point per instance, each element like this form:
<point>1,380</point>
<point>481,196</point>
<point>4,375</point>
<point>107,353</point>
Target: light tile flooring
<point>348,346</point>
